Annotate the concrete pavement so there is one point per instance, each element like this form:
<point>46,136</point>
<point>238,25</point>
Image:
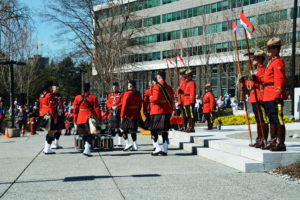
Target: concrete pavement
<point>26,173</point>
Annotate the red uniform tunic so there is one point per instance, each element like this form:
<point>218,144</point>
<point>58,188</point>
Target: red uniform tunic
<point>146,102</point>
<point>158,100</point>
<point>48,104</point>
<point>209,103</point>
<point>60,105</point>
<point>190,93</point>
<point>131,105</point>
<point>118,97</point>
<point>274,80</point>
<point>259,73</point>
<point>83,111</point>
<point>181,92</point>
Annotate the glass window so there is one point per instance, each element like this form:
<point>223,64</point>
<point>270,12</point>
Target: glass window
<point>261,19</point>
<point>225,47</point>
<point>200,30</point>
<point>218,27</point>
<point>224,26</point>
<point>233,3</point>
<point>246,2</point>
<point>190,13</point>
<point>219,6</point>
<point>207,9</point>
<point>195,12</point>
<point>200,50</point>
<point>200,10</point>
<point>185,14</point>
<point>164,18</point>
<point>283,14</point>
<point>219,48</point>
<point>269,18</point>
<point>213,7</point>
<point>169,17</point>
<point>184,33</point>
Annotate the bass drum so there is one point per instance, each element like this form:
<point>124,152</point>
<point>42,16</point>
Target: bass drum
<point>107,143</point>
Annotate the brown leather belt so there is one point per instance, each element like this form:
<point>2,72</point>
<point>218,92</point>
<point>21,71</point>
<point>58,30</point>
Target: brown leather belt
<point>206,102</point>
<point>186,95</point>
<point>45,106</point>
<point>269,84</point>
<point>132,107</point>
<point>84,109</point>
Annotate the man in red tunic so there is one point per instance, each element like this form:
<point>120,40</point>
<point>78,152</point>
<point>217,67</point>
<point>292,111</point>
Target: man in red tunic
<point>147,108</point>
<point>86,105</point>
<point>60,116</point>
<point>257,79</point>
<point>189,101</point>
<point>209,105</point>
<point>180,94</point>
<point>162,101</point>
<point>114,104</point>
<point>130,114</point>
<point>274,94</point>
<point>48,105</point>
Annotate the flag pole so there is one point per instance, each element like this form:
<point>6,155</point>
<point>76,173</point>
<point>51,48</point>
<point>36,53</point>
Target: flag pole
<point>178,85</point>
<point>240,74</point>
<point>169,73</point>
<point>254,87</point>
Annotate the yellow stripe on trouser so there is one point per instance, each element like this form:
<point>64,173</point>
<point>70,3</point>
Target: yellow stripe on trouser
<point>191,109</point>
<point>210,115</point>
<point>265,117</point>
<point>279,114</point>
<point>186,115</point>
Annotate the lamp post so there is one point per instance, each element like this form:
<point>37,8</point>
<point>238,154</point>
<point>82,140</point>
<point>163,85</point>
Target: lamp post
<point>11,64</point>
<point>294,52</point>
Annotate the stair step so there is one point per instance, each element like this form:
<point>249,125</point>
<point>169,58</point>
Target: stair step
<point>234,161</point>
<point>191,147</point>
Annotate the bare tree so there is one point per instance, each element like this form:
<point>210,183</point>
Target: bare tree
<point>101,36</point>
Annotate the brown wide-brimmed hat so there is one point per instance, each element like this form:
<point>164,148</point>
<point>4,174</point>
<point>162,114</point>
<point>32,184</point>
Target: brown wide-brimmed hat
<point>273,42</point>
<point>182,71</point>
<point>208,85</point>
<point>259,53</point>
<point>189,72</point>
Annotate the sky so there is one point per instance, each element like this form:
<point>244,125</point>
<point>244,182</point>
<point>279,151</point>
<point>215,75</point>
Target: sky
<point>45,31</point>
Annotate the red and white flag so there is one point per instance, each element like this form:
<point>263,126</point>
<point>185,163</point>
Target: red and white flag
<point>170,62</point>
<point>236,28</point>
<point>246,22</point>
<point>178,57</point>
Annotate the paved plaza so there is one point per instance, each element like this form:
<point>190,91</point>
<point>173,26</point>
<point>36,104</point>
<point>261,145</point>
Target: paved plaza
<point>26,173</point>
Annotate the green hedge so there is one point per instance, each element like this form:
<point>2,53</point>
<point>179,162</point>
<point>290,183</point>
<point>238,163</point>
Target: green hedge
<point>240,120</point>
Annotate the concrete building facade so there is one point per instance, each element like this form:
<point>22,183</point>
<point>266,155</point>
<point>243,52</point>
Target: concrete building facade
<point>201,33</point>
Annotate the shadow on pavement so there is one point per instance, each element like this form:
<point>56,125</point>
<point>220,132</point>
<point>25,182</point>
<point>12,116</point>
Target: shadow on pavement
<point>90,178</point>
<point>85,178</point>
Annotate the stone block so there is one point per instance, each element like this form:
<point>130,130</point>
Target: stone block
<point>13,132</point>
<point>234,161</point>
<point>191,147</point>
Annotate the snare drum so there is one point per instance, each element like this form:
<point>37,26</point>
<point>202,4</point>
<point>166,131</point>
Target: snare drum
<point>107,142</point>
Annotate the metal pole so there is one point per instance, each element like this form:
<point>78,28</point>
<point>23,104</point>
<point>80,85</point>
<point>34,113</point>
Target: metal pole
<point>12,94</point>
<point>294,53</point>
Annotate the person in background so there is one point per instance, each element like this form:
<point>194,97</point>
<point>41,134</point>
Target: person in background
<point>209,105</point>
<point>227,99</point>
<point>220,103</point>
<point>86,105</point>
<point>197,108</point>
<point>234,105</point>
<point>22,120</point>
<point>2,114</point>
<point>130,114</point>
